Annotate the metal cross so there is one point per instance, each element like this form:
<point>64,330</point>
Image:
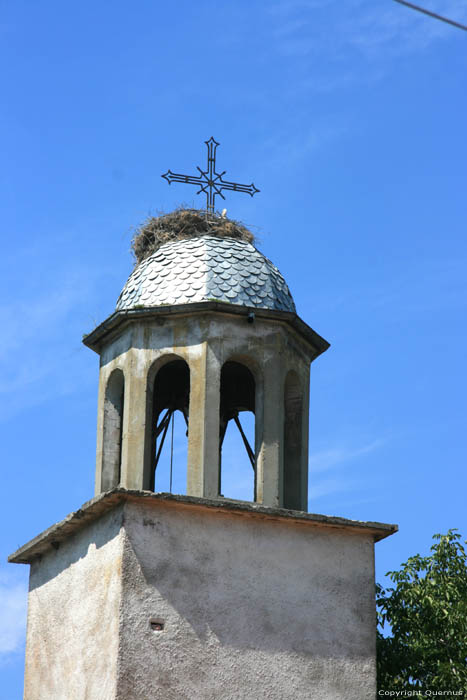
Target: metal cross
<point>210,182</point>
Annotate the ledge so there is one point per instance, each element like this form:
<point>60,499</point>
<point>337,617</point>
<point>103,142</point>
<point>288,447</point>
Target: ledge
<point>95,338</point>
<point>93,509</point>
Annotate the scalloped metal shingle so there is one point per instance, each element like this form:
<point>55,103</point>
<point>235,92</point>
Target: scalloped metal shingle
<point>206,269</point>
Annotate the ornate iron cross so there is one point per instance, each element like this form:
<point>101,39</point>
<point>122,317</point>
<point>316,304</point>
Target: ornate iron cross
<point>210,182</point>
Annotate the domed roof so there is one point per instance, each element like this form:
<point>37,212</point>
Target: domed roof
<point>206,268</point>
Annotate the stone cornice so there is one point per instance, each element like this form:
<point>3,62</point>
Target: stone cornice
<point>96,507</point>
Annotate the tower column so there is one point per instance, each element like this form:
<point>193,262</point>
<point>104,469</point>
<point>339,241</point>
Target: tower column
<point>203,432</point>
<point>271,457</point>
<point>100,433</point>
<point>134,425</point>
<point>305,378</point>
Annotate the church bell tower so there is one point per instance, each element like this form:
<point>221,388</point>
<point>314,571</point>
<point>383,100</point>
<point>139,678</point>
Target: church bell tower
<point>207,326</point>
<point>142,594</point>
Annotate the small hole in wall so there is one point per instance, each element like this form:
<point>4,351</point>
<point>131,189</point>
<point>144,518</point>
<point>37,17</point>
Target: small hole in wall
<point>156,624</point>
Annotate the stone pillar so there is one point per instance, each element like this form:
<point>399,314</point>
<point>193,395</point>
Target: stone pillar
<point>305,378</point>
<point>109,428</point>
<point>100,431</point>
<point>270,463</point>
<point>112,432</point>
<point>134,423</point>
<point>203,430</point>
<point>295,437</point>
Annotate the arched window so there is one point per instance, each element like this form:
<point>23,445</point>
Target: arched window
<point>293,413</point>
<point>113,427</point>
<point>237,459</point>
<point>170,404</point>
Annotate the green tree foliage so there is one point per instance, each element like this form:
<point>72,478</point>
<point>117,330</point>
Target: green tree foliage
<point>426,613</point>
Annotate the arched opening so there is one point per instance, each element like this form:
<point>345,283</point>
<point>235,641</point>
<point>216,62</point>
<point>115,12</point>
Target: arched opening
<point>113,427</point>
<point>171,397</point>
<point>237,457</point>
<point>293,414</point>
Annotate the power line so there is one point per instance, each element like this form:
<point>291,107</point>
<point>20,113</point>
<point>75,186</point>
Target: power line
<point>432,14</point>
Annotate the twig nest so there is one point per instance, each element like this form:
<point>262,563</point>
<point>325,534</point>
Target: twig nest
<point>184,223</point>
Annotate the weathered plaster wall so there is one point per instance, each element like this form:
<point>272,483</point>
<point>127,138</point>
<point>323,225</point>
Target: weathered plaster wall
<point>252,608</point>
<point>254,602</point>
<point>73,615</point>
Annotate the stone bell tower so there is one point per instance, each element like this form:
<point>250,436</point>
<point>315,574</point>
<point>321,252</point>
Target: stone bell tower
<point>140,594</point>
<point>207,326</point>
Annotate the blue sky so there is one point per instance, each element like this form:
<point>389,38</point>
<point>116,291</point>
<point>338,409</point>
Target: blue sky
<point>350,117</point>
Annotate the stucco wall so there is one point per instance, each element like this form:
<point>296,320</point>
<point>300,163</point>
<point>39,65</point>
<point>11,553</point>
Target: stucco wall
<point>252,608</point>
<point>254,604</point>
<point>73,615</point>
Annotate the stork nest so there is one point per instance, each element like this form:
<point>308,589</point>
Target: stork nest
<point>184,223</point>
